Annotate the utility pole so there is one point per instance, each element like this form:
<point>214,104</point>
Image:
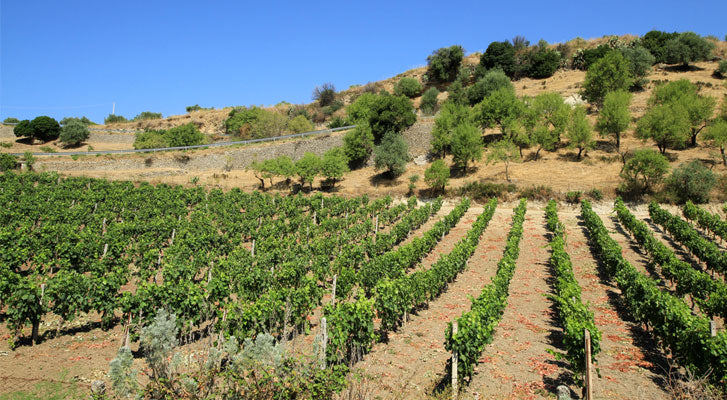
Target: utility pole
<point>113,108</point>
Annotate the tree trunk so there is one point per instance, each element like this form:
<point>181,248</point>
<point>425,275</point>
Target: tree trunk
<point>580,150</point>
<point>507,174</point>
<point>694,138</point>
<point>724,159</point>
<point>262,183</point>
<point>537,153</point>
<point>618,142</point>
<point>34,335</point>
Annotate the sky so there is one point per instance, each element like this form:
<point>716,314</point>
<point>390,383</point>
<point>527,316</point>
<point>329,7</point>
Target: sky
<point>78,58</point>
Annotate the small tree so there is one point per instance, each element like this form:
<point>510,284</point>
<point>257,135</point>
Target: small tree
<point>685,95</point>
<point>492,81</point>
<point>579,131</point>
<point>642,171</point>
<point>498,108</point>
<point>456,93</point>
<point>615,116</point>
<point>499,55</point>
<point>686,48</point>
<point>691,182</point>
<point>308,168</point>
<point>722,68</point>
<point>383,113</point>
<point>640,62</point>
<point>437,175</point>
<point>261,170</point>
<point>667,125</point>
<point>429,101</point>
<point>300,124</point>
<point>324,94</point>
<point>11,120</point>
<point>392,154</point>
<point>716,134</point>
<point>542,61</point>
<point>269,124</point>
<point>444,63</point>
<point>184,135</point>
<point>74,133</point>
<point>466,145</point>
<point>23,129</point>
<point>358,144</point>
<point>503,151</point>
<point>45,128</point>
<point>241,119</point>
<point>608,74</point>
<point>115,119</point>
<point>451,116</point>
<point>334,164</point>
<point>545,118</point>
<point>409,87</point>
<point>285,167</point>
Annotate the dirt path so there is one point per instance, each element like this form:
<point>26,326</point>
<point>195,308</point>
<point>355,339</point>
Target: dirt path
<point>413,361</point>
<point>629,361</point>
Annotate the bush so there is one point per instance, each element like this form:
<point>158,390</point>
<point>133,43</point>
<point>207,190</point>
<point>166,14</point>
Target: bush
<point>147,115</point>
<point>691,181</point>
<point>451,116</point>
<point>642,172</point>
<point>499,55</point>
<point>8,162</point>
<point>195,107</point>
<point>456,93</point>
<point>334,164</point>
<point>608,74</point>
<point>428,103</point>
<point>300,124</point>
<point>333,107</point>
<point>539,192</point>
<point>383,113</point>
<point>444,63</point>
<point>686,48</point>
<point>584,58</point>
<point>640,62</point>
<point>324,94</point>
<point>392,154</point>
<point>358,144</point>
<point>10,120</point>
<point>542,62</point>
<point>65,121</point>
<point>409,87</point>
<point>466,145</point>
<point>491,82</point>
<point>336,122</point>
<point>655,42</point>
<point>437,176</point>
<point>307,168</point>
<point>73,133</point>
<point>486,190</point>
<point>595,194</point>
<point>240,121</point>
<point>185,135</point>
<point>722,68</point>
<point>114,119</point>
<point>150,140</point>
<point>44,128</point>
<point>573,197</point>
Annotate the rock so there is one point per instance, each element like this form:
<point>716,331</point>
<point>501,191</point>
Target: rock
<point>574,100</point>
<point>563,392</point>
<point>98,387</point>
<point>420,160</point>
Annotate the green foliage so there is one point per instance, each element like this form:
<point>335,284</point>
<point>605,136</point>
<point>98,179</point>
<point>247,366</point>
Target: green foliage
<point>157,342</point>
<point>643,171</point>
<point>500,108</point>
<point>610,73</point>
<point>486,190</point>
<point>409,87</point>
<point>334,164</point>
<point>383,113</point>
<point>336,122</point>
<point>691,182</point>
<point>193,108</point>
<point>545,119</point>
<point>542,62</point>
<point>150,140</point>
<point>466,145</point>
<point>391,154</point>
<point>666,124</point>
<point>300,124</point>
<point>42,128</point>
<point>595,194</point>
<point>615,116</point>
<point>269,124</point>
<point>444,63</point>
<point>122,373</point>
<point>115,119</point>
<point>8,162</point>
<point>584,58</point>
<point>428,103</point>
<point>579,131</point>
<point>350,330</point>
<point>23,129</point>
<point>437,175</point>
<point>503,151</point>
<point>686,48</point>
<point>722,68</point>
<point>184,135</point>
<point>716,135</point>
<point>450,117</point>
<point>65,121</point>
<point>358,144</point>
<point>640,62</point>
<point>240,121</point>
<point>10,120</point>
<point>307,168</point>
<point>74,133</point>
<point>685,96</point>
<point>655,43</point>
<point>145,115</point>
<point>324,94</point>
<point>499,55</point>
<point>29,159</point>
<point>491,82</point>
<point>457,94</point>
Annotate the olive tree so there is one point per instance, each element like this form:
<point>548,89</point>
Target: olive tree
<point>392,154</point>
<point>666,124</point>
<point>74,133</point>
<point>466,145</point>
<point>610,73</point>
<point>614,117</point>
<point>503,151</point>
<point>642,171</point>
<point>443,63</point>
<point>716,135</point>
<point>579,131</point>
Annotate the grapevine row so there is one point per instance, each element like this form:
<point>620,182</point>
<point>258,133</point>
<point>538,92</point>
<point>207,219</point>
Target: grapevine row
<point>705,219</point>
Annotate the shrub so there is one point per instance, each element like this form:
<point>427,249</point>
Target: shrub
<point>307,168</point>
<point>492,81</point>
<point>358,144</point>
<point>331,108</point>
<point>542,62</point>
<point>144,115</point>
<point>466,145</point>
<point>114,119</point>
<point>722,68</point>
<point>8,162</point>
<point>691,181</point>
<point>240,120</point>
<point>300,124</point>
<point>642,172</point>
<point>336,122</point>
<point>595,194</point>
<point>437,175</point>
<point>269,124</point>
<point>655,42</point>
<point>23,129</point>
<point>392,154</point>
<point>195,107</point>
<point>573,197</point>
<point>499,55</point>
<point>444,63</point>
<point>486,190</point>
<point>686,48</point>
<point>324,94</point>
<point>539,192</point>
<point>584,58</point>
<point>10,120</point>
<point>428,103</point>
<point>412,183</point>
<point>383,113</point>
<point>640,62</point>
<point>334,164</point>
<point>456,93</point>
<point>184,135</point>
<point>579,131</point>
<point>615,116</point>
<point>150,140</point>
<point>409,87</point>
<point>608,74</point>
<point>73,133</point>
<point>84,120</point>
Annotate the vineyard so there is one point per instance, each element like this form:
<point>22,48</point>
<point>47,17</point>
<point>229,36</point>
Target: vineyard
<point>408,296</point>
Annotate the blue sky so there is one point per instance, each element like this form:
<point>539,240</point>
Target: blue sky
<point>73,58</point>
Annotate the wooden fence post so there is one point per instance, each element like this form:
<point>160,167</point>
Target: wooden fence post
<point>712,328</point>
<point>455,362</point>
<point>324,342</point>
<point>589,380</point>
<point>333,292</point>
<point>253,248</point>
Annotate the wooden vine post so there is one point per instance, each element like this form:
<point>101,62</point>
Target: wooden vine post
<point>712,328</point>
<point>324,342</point>
<point>589,378</point>
<point>455,361</point>
<point>333,291</point>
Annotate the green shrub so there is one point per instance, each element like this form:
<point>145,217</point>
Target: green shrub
<point>542,62</point>
<point>73,133</point>
<point>300,124</point>
<point>686,48</point>
<point>240,121</point>
<point>595,194</point>
<point>144,115</point>
<point>428,103</point>
<point>48,149</point>
<point>437,176</point>
<point>539,192</point>
<point>383,113</point>
<point>324,94</point>
<point>722,68</point>
<point>579,131</point>
<point>84,120</point>
<point>184,135</point>
<point>23,129</point>
<point>409,87</point>
<point>336,122</point>
<point>499,55</point>
<point>114,119</point>
<point>307,168</point>
<point>333,107</point>
<point>584,58</point>
<point>655,42</point>
<point>10,120</point>
<point>6,145</point>
<point>444,63</point>
<point>573,197</point>
<point>642,172</point>
<point>358,144</point>
<point>392,154</point>
<point>413,183</point>
<point>195,107</point>
<point>691,181</point>
<point>8,162</point>
<point>640,62</point>
<point>150,140</point>
<point>486,190</point>
<point>608,74</point>
<point>334,164</point>
<point>451,116</point>
<point>45,128</point>
<point>457,94</point>
<point>491,82</point>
